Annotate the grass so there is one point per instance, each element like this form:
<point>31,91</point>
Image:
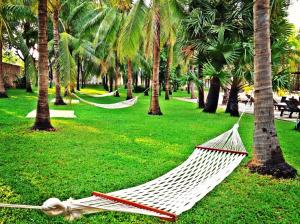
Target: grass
<point>106,150</point>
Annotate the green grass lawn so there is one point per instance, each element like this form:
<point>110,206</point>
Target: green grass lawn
<point>107,150</point>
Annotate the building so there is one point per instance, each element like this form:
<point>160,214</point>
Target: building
<point>10,73</point>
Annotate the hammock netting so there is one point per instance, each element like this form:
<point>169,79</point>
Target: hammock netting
<point>171,194</point>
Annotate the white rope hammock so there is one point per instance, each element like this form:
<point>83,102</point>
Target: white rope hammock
<point>100,95</point>
<point>169,195</point>
<point>119,105</point>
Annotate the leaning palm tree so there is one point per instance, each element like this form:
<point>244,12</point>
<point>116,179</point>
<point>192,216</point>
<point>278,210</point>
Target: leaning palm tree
<point>42,121</point>
<point>268,157</point>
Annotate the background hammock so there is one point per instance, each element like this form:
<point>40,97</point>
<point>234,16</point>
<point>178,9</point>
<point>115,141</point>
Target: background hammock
<point>100,95</point>
<point>119,105</point>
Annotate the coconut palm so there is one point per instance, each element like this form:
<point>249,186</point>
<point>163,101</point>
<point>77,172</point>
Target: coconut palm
<point>7,11</point>
<point>130,39</point>
<point>4,27</point>
<point>268,157</point>
<point>154,103</point>
<point>150,24</point>
<point>55,7</point>
<point>42,121</point>
<point>11,12</point>
<point>71,46</point>
<point>23,45</point>
<point>30,38</point>
<point>106,25</point>
<point>171,28</point>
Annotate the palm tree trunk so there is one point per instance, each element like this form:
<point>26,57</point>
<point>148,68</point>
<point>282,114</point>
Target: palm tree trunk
<point>225,96</point>
<point>27,76</point>
<point>78,74</point>
<point>154,104</point>
<point>50,74</point>
<point>2,88</point>
<point>169,63</point>
<point>26,59</point>
<point>136,79</point>
<point>233,104</point>
<point>201,103</point>
<point>111,83</point>
<point>42,120</point>
<point>129,80</point>
<point>147,86</point>
<point>193,95</point>
<point>106,83</point>
<point>213,96</point>
<point>117,76</point>
<point>267,158</point>
<point>58,97</point>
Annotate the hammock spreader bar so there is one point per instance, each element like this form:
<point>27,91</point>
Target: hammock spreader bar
<point>221,150</point>
<point>172,217</point>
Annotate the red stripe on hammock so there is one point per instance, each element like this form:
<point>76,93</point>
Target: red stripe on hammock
<point>172,217</point>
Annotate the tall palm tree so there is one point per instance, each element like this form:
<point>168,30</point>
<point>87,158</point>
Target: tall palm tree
<point>150,25</point>
<point>174,15</point>
<point>130,39</point>
<point>67,44</point>
<point>55,8</point>
<point>154,103</point>
<point>42,121</point>
<point>268,157</point>
<point>30,38</point>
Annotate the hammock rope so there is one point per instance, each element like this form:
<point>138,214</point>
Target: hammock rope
<point>167,196</point>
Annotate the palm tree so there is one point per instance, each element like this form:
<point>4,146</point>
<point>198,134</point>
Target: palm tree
<point>150,24</point>
<point>169,64</point>
<point>241,76</point>
<point>10,12</point>
<point>154,103</point>
<point>130,39</point>
<point>42,121</point>
<point>4,27</point>
<point>55,8</point>
<point>68,45</point>
<point>222,51</point>
<point>268,157</point>
<point>212,31</point>
<point>30,38</point>
<point>171,28</point>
